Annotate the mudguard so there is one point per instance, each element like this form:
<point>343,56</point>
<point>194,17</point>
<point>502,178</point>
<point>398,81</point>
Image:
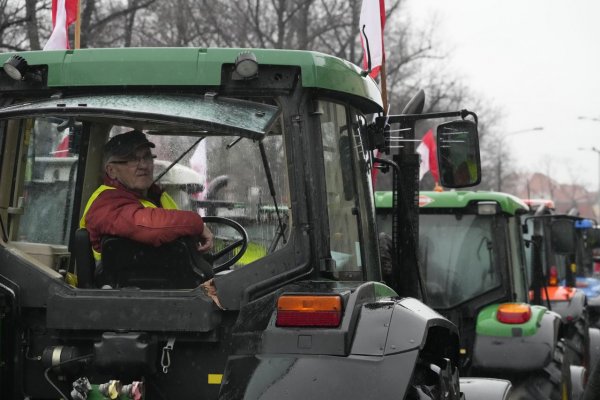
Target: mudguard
<point>317,377</point>
<point>571,308</point>
<point>577,381</point>
<point>485,388</point>
<point>518,353</point>
<point>373,354</point>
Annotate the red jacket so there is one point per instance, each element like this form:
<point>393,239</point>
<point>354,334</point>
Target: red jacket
<point>119,212</point>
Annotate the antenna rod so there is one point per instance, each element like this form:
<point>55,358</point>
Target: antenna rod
<point>384,95</point>
<point>368,71</point>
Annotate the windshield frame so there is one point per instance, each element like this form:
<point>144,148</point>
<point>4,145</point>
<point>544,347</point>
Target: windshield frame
<point>194,115</point>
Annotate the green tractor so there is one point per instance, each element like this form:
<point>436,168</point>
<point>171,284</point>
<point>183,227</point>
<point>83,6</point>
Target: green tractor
<point>273,148</point>
<point>556,257</point>
<point>472,260</point>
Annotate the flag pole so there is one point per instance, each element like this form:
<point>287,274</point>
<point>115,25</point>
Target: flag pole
<point>78,26</point>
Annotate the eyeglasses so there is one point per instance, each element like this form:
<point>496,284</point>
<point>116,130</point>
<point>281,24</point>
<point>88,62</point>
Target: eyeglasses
<point>135,161</point>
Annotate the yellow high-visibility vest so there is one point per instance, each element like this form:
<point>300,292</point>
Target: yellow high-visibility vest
<point>166,202</point>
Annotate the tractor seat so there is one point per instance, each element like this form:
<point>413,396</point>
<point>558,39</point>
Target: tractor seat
<point>175,265</point>
<point>84,259</point>
<point>126,263</point>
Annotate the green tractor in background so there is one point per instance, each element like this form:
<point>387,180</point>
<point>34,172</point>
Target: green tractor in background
<point>472,260</point>
<point>558,253</point>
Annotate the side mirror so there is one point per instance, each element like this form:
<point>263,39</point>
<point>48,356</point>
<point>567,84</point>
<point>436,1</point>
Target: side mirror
<point>563,236</point>
<point>458,154</point>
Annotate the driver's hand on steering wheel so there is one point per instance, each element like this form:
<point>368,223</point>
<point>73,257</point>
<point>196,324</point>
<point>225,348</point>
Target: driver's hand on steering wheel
<point>206,240</point>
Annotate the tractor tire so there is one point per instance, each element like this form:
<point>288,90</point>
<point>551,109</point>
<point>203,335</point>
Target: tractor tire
<point>577,342</point>
<point>553,382</point>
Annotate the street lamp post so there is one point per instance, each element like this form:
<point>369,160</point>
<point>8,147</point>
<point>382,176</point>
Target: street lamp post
<point>499,165</point>
<point>597,151</point>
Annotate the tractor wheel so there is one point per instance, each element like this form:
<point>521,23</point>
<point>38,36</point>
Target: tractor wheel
<point>577,342</point>
<point>553,382</point>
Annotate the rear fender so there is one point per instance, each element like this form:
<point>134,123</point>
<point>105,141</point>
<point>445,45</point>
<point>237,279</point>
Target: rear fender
<point>570,309</point>
<point>388,340</point>
<point>397,326</point>
<point>577,381</point>
<point>485,388</point>
<point>518,353</point>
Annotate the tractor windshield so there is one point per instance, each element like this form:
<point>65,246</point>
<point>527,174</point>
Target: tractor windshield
<point>457,257</point>
<point>211,148</point>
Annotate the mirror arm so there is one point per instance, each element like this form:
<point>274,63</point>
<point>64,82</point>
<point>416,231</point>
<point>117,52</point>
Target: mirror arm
<point>403,118</point>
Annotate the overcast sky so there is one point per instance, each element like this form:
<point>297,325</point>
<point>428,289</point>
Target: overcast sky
<point>539,61</point>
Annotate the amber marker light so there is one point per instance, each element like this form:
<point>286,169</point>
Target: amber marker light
<point>309,311</point>
<point>553,278</point>
<point>513,313</point>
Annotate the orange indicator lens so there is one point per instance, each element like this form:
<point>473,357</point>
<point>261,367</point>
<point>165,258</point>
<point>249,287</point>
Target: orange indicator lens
<point>316,311</point>
<point>513,313</point>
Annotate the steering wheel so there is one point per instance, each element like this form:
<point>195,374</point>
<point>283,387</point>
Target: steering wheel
<point>241,243</point>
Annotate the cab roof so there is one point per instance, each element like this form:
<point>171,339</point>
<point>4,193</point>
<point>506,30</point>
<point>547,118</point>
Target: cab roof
<point>458,199</point>
<point>191,67</point>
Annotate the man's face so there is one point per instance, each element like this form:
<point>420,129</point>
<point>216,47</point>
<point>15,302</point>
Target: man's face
<point>135,172</point>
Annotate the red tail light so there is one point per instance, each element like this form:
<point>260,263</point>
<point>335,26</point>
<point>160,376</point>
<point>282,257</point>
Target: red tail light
<point>513,313</point>
<point>305,311</point>
<point>553,278</point>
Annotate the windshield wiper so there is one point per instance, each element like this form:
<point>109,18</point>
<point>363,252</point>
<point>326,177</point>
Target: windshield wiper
<point>488,244</point>
<point>280,234</point>
<point>177,160</point>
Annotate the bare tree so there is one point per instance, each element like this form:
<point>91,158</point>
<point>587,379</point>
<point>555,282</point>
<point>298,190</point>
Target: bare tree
<point>18,26</point>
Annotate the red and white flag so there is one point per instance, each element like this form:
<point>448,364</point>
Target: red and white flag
<point>372,21</point>
<point>428,151</point>
<point>64,13</point>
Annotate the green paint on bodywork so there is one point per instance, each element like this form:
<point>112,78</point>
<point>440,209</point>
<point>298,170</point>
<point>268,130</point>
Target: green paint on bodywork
<point>383,291</point>
<point>488,325</point>
<point>96,395</point>
<point>383,199</point>
<point>459,199</point>
<point>191,67</point>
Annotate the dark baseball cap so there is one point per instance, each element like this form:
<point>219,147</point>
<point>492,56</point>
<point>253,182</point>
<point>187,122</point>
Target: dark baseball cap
<point>126,144</point>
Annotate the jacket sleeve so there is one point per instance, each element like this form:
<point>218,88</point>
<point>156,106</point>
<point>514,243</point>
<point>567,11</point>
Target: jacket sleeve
<point>117,215</point>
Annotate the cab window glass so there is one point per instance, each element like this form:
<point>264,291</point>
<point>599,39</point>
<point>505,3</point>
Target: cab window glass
<point>44,201</point>
<point>225,176</point>
<point>341,203</point>
<point>457,257</point>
